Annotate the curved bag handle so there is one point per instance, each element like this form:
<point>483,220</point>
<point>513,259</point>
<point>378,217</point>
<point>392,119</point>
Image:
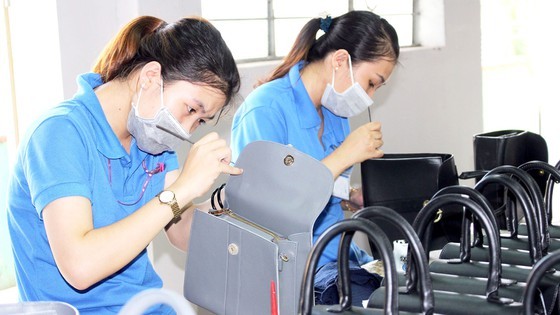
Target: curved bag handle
<point>479,198</point>
<point>536,196</point>
<point>554,177</point>
<point>426,215</point>
<point>376,236</point>
<point>535,246</point>
<point>540,269</point>
<point>417,251</point>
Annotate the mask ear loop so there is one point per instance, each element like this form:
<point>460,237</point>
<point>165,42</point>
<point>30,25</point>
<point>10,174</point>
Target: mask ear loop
<point>161,93</point>
<point>351,71</point>
<point>135,106</point>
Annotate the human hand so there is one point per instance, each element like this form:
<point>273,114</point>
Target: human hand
<point>363,143</point>
<point>357,197</point>
<point>208,158</point>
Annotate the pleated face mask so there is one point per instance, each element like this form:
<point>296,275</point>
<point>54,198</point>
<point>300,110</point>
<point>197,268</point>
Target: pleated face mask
<point>349,103</point>
<point>158,134</point>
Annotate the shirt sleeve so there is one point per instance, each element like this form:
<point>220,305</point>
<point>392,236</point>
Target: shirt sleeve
<point>258,123</point>
<point>56,163</point>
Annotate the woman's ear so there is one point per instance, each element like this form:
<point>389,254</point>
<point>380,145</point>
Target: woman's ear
<point>150,74</point>
<point>340,59</point>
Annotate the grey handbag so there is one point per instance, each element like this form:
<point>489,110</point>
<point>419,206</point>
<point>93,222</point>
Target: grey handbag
<point>251,257</point>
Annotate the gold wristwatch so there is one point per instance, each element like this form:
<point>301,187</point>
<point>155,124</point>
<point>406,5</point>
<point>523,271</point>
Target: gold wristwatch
<point>168,197</point>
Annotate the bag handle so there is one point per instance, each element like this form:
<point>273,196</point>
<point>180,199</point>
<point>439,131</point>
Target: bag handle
<point>385,214</point>
<point>535,247</point>
<point>540,269</point>
<point>479,198</point>
<point>375,235</point>
<point>554,177</point>
<point>425,216</point>
<point>536,196</point>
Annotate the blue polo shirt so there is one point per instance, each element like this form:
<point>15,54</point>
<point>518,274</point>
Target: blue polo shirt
<point>281,111</point>
<point>72,151</point>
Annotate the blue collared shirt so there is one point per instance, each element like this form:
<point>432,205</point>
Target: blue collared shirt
<point>281,111</point>
<point>67,153</point>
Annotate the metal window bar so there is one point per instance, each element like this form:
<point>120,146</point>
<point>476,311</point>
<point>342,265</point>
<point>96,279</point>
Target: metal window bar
<point>271,27</point>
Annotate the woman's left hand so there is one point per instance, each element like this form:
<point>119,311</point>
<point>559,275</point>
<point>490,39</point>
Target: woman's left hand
<point>357,197</point>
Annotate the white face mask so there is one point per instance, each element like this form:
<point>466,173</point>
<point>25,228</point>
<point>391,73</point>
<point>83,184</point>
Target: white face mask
<point>158,134</point>
<point>349,103</point>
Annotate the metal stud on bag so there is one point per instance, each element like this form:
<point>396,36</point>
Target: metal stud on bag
<point>288,160</point>
<point>233,249</point>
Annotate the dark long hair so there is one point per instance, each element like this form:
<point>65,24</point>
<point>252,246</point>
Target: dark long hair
<point>190,49</point>
<point>365,35</point>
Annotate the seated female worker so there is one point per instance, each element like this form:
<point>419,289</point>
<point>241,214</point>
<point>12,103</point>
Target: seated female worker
<point>97,177</point>
<point>306,102</point>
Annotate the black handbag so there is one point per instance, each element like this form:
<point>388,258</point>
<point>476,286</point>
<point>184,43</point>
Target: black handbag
<point>551,174</point>
<point>538,210</point>
<point>478,253</point>
<point>377,237</point>
<point>505,147</point>
<point>421,289</point>
<point>473,285</point>
<point>404,182</point>
<point>455,302</point>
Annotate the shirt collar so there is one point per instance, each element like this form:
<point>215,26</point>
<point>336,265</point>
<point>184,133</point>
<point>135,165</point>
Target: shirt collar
<point>107,142</point>
<point>307,113</point>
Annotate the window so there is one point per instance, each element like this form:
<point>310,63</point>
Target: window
<point>261,30</point>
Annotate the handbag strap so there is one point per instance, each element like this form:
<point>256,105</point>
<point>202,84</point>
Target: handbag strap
<point>553,173</point>
<point>425,217</point>
<point>535,246</point>
<point>375,235</point>
<point>536,196</point>
<point>479,198</point>
<point>540,269</point>
<point>380,214</point>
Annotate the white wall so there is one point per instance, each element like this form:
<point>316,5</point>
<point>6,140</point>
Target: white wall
<point>433,102</point>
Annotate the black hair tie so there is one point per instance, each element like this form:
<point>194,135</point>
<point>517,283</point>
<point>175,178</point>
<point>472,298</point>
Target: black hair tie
<point>325,23</point>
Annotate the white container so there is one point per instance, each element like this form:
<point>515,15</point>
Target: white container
<point>38,308</point>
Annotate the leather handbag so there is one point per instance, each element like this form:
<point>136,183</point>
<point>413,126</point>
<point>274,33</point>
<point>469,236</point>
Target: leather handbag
<point>478,253</point>
<point>551,174</point>
<point>538,210</point>
<point>505,147</point>
<point>379,239</point>
<point>422,289</point>
<point>249,258</point>
<point>404,182</point>
<point>454,300</point>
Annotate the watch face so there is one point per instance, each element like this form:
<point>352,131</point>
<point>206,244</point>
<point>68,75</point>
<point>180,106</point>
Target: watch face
<point>166,196</point>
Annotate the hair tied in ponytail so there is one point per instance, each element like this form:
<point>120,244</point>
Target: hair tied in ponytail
<point>325,23</point>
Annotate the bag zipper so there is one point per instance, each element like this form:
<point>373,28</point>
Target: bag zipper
<point>232,214</point>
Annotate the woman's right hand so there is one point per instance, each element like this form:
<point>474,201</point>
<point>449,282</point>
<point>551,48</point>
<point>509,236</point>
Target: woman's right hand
<point>208,158</point>
<point>363,143</point>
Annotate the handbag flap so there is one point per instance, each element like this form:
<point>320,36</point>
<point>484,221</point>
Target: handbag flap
<point>281,188</point>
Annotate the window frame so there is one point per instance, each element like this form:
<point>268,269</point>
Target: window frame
<point>271,34</point>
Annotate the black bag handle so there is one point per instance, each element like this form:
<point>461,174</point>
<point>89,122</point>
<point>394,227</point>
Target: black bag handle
<point>540,269</point>
<point>536,196</point>
<point>416,249</point>
<point>553,177</point>
<point>376,236</point>
<point>479,198</point>
<point>426,215</point>
<point>535,246</point>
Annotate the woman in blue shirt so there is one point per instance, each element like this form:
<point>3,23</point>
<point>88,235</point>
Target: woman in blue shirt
<point>306,102</point>
<point>97,178</point>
